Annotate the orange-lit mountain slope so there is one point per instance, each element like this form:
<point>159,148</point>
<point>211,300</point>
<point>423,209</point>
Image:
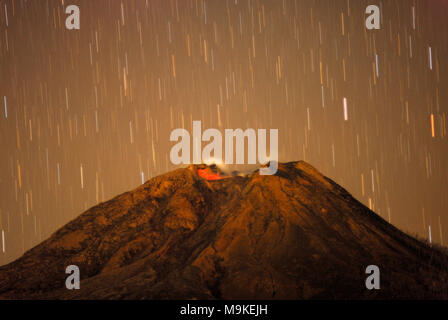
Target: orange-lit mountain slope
<point>294,235</point>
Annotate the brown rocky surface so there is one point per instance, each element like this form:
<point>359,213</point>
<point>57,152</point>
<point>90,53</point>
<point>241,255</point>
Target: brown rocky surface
<point>294,235</point>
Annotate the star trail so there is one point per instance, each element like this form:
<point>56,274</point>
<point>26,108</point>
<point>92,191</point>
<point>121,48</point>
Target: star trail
<point>87,113</point>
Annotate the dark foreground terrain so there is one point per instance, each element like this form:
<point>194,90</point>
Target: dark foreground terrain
<point>295,235</point>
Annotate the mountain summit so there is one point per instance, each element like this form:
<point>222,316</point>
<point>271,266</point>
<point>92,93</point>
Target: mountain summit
<point>293,235</point>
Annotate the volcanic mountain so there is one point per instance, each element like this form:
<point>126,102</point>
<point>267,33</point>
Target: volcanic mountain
<point>293,235</point>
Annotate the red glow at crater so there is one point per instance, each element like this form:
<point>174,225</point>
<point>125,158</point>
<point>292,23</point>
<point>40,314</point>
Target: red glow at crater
<point>207,174</point>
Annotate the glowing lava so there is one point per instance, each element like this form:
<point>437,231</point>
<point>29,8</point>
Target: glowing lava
<point>208,174</point>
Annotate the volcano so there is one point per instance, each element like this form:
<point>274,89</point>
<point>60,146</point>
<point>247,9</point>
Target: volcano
<point>292,235</point>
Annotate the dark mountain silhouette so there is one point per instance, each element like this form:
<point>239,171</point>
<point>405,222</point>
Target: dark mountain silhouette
<point>294,235</point>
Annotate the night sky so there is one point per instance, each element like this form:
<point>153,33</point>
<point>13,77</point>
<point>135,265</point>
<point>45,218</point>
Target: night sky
<point>87,114</point>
